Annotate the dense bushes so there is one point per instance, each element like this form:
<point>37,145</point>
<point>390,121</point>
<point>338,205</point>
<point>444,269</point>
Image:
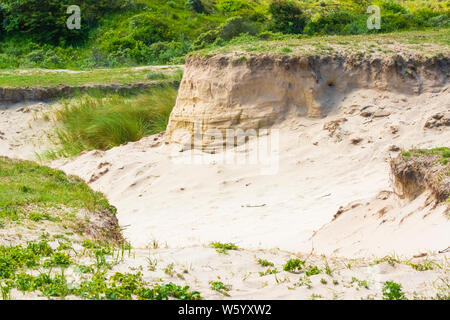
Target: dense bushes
<point>230,29</point>
<point>287,17</point>
<point>133,32</point>
<point>195,5</point>
<point>45,20</point>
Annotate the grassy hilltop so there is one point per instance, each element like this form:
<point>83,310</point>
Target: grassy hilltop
<point>148,32</point>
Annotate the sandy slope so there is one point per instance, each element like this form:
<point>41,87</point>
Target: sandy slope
<point>193,204</point>
<point>23,129</point>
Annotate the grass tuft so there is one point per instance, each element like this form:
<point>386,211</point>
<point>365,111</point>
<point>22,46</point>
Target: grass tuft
<point>98,122</point>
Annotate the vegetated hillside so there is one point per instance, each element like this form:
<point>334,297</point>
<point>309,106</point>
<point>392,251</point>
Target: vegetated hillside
<point>135,32</point>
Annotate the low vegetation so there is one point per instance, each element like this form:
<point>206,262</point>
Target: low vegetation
<point>48,78</point>
<point>443,154</point>
<point>30,191</point>
<point>265,263</point>
<point>98,121</point>
<point>433,43</point>
<point>66,260</point>
<point>220,287</point>
<point>223,247</point>
<point>294,265</point>
<point>393,291</point>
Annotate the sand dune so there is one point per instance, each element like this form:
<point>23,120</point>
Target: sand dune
<point>319,171</point>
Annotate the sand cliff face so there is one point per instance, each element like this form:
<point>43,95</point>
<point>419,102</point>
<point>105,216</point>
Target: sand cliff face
<point>231,92</point>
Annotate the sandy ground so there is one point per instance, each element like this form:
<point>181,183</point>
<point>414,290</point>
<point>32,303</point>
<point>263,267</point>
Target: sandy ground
<point>193,204</point>
<point>185,206</point>
<point>23,129</point>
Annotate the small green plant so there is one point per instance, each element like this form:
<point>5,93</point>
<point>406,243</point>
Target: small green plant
<point>392,260</point>
<point>294,265</point>
<point>58,259</point>
<point>313,270</point>
<point>426,265</point>
<point>304,281</point>
<point>268,271</point>
<point>265,263</point>
<point>220,287</point>
<point>393,291</point>
<point>223,247</point>
<point>169,269</point>
<point>152,263</point>
<point>323,281</point>
<point>5,290</point>
<point>328,270</point>
<point>360,283</point>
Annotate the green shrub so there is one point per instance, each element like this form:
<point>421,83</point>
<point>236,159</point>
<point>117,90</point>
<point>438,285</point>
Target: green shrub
<point>196,6</point>
<point>293,265</point>
<point>32,17</point>
<point>236,26</point>
<point>393,291</point>
<point>287,17</point>
<point>392,7</point>
<point>230,6</point>
<point>334,22</point>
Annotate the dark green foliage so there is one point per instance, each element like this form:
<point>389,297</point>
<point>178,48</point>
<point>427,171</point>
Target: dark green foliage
<point>45,20</point>
<point>392,7</point>
<point>230,29</point>
<point>195,5</point>
<point>235,26</point>
<point>231,6</point>
<point>335,22</point>
<point>287,17</point>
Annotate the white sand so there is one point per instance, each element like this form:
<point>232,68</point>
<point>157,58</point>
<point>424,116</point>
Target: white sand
<point>186,205</point>
<point>23,129</point>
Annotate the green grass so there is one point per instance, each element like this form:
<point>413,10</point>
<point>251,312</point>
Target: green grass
<point>443,153</point>
<point>99,121</point>
<point>48,78</point>
<point>433,42</point>
<point>24,184</point>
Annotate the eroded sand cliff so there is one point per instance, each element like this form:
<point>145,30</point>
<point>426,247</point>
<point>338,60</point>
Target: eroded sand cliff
<point>257,91</point>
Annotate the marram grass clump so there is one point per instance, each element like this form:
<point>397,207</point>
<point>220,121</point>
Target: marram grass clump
<point>97,122</point>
